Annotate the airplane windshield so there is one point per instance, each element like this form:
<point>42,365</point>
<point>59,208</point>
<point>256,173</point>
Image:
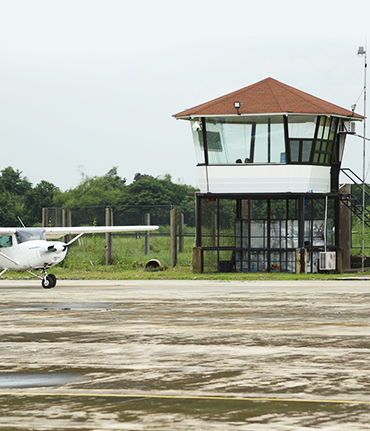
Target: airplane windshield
<point>30,235</point>
<point>6,241</point>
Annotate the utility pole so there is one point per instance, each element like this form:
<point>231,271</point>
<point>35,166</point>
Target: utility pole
<point>362,52</point>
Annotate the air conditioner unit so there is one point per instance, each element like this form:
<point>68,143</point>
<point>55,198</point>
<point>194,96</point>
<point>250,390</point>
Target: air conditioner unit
<point>327,261</point>
<point>349,127</point>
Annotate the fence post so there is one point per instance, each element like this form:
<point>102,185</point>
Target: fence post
<point>304,261</point>
<point>298,262</point>
<point>108,236</point>
<point>66,222</point>
<point>45,222</point>
<point>147,234</point>
<point>173,238</point>
<point>181,233</point>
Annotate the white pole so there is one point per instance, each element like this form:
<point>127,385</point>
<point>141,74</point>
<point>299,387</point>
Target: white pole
<point>364,173</point>
<point>362,52</point>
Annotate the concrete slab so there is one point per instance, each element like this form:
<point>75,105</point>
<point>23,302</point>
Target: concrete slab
<point>175,355</point>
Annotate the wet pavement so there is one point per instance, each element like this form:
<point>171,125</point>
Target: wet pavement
<point>185,355</point>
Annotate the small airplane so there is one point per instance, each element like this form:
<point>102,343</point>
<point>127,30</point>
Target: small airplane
<point>27,249</point>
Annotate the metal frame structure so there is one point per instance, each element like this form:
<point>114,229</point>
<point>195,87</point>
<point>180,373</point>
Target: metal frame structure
<point>226,230</point>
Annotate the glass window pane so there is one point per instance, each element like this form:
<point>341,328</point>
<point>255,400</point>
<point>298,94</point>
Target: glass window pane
<point>275,233</point>
<point>326,128</point>
<point>236,140</point>
<point>306,150</point>
<point>301,126</point>
<point>260,146</point>
<point>333,128</point>
<point>245,242</point>
<point>321,127</point>
<point>258,234</point>
<point>292,233</point>
<point>258,260</point>
<point>198,142</point>
<point>217,151</point>
<point>294,151</point>
<point>277,143</point>
<point>238,233</point>
<point>290,262</point>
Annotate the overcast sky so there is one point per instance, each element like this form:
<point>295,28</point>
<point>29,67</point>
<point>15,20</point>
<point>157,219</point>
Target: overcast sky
<point>86,85</point>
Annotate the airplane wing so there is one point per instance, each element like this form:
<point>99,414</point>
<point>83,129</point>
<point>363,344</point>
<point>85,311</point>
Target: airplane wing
<point>7,230</point>
<point>57,232</point>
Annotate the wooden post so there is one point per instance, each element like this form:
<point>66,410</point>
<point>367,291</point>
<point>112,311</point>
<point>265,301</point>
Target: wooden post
<point>298,266</point>
<point>147,234</point>
<point>108,236</point>
<point>173,237</point>
<point>66,222</point>
<point>181,233</point>
<point>304,261</point>
<point>45,221</point>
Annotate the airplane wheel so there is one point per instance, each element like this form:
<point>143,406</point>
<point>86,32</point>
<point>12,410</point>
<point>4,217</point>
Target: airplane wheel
<point>49,281</point>
<point>52,276</point>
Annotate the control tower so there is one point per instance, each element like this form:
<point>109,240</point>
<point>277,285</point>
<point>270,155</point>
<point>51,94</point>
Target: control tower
<point>268,163</point>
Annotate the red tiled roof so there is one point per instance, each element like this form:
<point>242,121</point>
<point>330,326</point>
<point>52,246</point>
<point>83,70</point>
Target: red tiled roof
<point>265,97</point>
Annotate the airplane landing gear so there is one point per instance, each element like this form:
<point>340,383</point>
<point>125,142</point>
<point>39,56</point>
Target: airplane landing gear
<point>49,281</point>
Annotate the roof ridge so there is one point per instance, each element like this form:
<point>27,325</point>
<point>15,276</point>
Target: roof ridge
<point>273,94</point>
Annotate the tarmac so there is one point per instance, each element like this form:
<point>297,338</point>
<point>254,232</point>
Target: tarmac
<point>185,355</point>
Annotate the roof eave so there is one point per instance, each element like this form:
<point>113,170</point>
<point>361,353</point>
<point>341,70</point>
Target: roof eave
<point>354,117</point>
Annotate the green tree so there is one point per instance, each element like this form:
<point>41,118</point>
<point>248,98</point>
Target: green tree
<point>8,216</point>
<point>94,191</point>
<point>36,199</point>
<point>147,190</point>
<point>13,181</point>
<point>13,188</point>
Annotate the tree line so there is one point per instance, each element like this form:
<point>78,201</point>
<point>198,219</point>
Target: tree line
<point>19,198</point>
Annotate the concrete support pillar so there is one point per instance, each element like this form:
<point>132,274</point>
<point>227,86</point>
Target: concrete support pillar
<point>181,233</point>
<point>301,261</point>
<point>147,234</point>
<point>108,236</point>
<point>345,229</point>
<point>173,235</point>
<point>197,260</point>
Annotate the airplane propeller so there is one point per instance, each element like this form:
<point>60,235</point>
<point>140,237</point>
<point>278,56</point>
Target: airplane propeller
<point>61,246</point>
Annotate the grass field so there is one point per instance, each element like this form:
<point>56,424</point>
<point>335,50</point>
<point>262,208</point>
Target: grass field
<point>86,260</point>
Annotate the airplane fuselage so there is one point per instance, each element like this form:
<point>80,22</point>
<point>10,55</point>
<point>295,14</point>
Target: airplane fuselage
<point>26,249</point>
<point>35,254</point>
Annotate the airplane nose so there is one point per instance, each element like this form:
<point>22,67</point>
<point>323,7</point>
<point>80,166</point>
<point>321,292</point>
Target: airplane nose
<point>58,247</point>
